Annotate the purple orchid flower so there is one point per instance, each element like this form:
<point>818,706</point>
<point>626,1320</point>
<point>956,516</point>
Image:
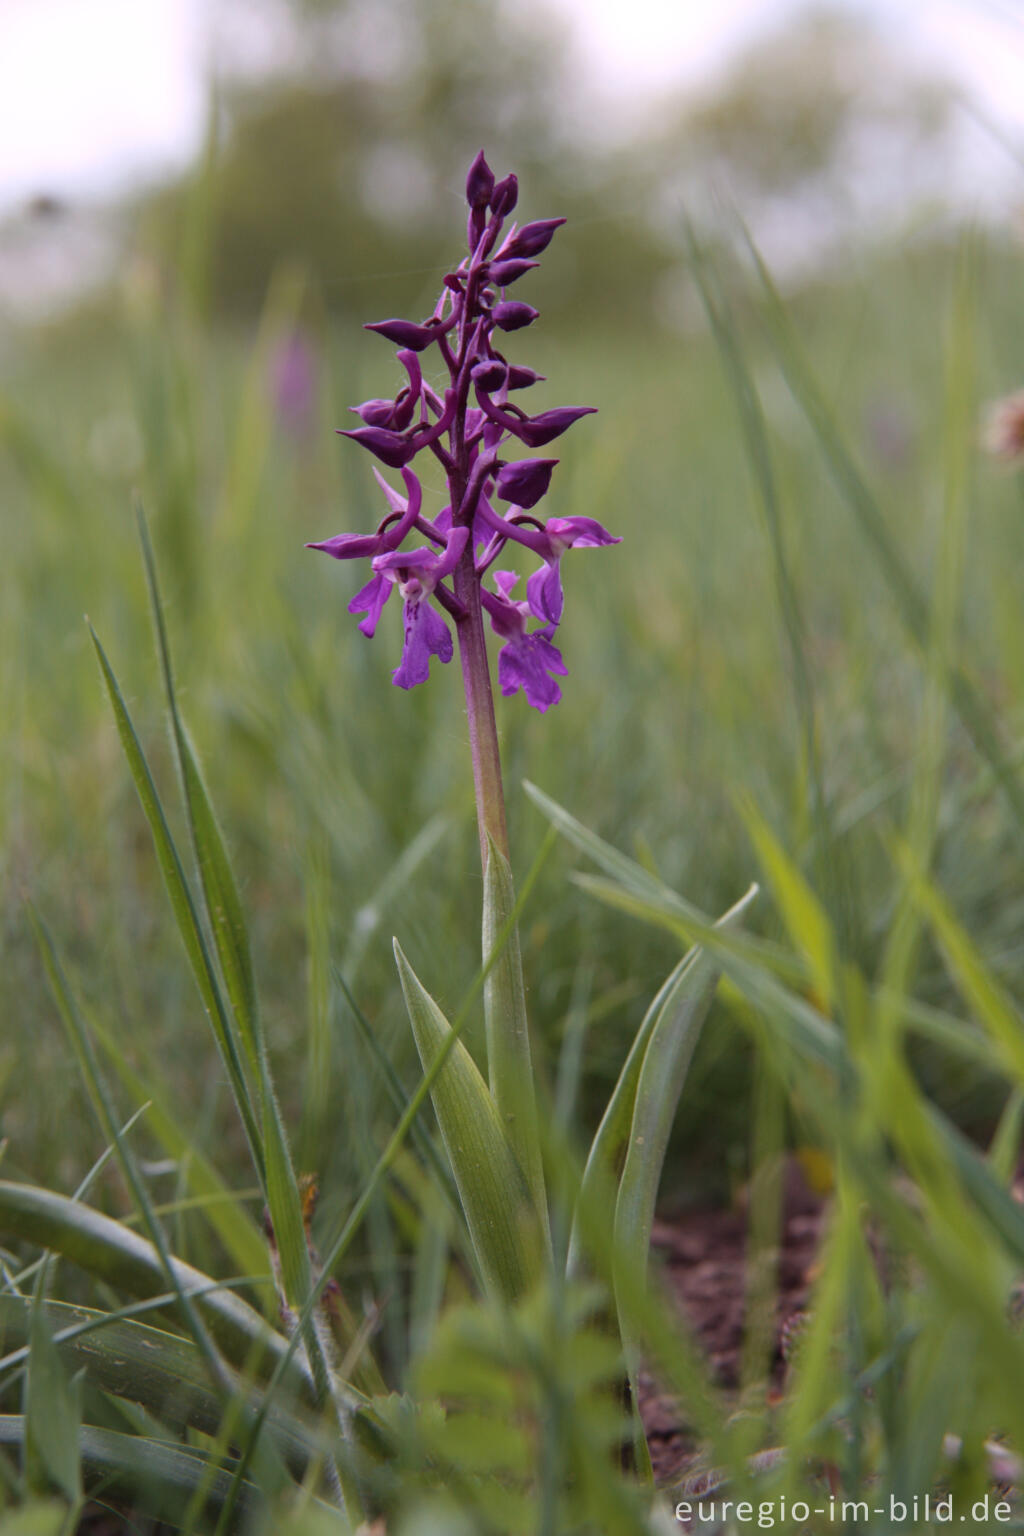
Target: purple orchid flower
<point>466,426</point>
<point>527,660</point>
<point>417,573</point>
<point>544,588</point>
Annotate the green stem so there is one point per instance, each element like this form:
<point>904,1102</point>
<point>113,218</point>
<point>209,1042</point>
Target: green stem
<point>483,730</point>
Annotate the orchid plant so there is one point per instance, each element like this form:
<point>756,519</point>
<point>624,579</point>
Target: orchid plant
<point>470,426</point>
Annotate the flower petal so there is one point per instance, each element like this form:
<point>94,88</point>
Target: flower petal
<point>426,635</point>
<point>580,532</point>
<point>526,663</point>
<point>544,593</point>
<point>350,546</point>
<point>370,600</point>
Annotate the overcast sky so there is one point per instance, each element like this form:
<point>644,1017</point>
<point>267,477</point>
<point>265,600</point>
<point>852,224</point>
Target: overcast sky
<point>95,93</point>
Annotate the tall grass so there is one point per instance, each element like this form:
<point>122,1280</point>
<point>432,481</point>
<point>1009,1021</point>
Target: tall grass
<point>804,664</point>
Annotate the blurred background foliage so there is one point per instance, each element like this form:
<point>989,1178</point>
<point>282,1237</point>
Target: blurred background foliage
<point>329,193</point>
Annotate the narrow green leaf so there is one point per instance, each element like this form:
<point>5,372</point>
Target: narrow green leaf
<point>659,1085</point>
<point>52,1414</point>
<point>609,1147</point>
<point>271,1470</point>
<point>641,893</point>
<point>128,1262</point>
<point>224,1211</point>
<point>226,917</point>
<point>806,921</point>
<point>223,903</point>
<point>813,1039</point>
<point>495,1198</point>
<point>1004,1150</point>
<point>284,1202</point>
<point>182,905</point>
<point>506,1024</point>
<point>995,1009</point>
<point>161,1371</point>
<point>155,1476</point>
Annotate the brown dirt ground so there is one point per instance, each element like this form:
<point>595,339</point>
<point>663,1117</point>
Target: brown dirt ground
<point>703,1257</point>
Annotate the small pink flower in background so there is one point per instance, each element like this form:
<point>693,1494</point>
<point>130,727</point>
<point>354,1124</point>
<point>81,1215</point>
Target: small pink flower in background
<point>1003,434</point>
<point>293,384</point>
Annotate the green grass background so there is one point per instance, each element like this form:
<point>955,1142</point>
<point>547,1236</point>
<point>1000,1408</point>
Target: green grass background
<point>680,700</point>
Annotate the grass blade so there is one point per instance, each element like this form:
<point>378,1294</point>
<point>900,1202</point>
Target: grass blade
<point>609,1148</point>
<point>123,1259</point>
<point>183,906</point>
<point>154,1476</point>
<point>495,1197</point>
<point>507,1027</point>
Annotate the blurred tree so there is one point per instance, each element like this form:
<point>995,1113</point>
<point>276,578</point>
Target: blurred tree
<point>816,129</point>
<point>339,145</point>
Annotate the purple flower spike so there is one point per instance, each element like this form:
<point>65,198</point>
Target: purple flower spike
<point>525,482</point>
<point>466,423</point>
<point>511,315</point>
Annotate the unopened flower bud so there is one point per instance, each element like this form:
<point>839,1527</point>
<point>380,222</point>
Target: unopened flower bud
<point>479,183</point>
<point>505,196</point>
<point>490,375</point>
<point>504,272</point>
<point>532,238</point>
<point>522,378</point>
<point>526,482</point>
<point>538,430</point>
<point>390,447</point>
<point>405,333</point>
<point>511,315</point>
